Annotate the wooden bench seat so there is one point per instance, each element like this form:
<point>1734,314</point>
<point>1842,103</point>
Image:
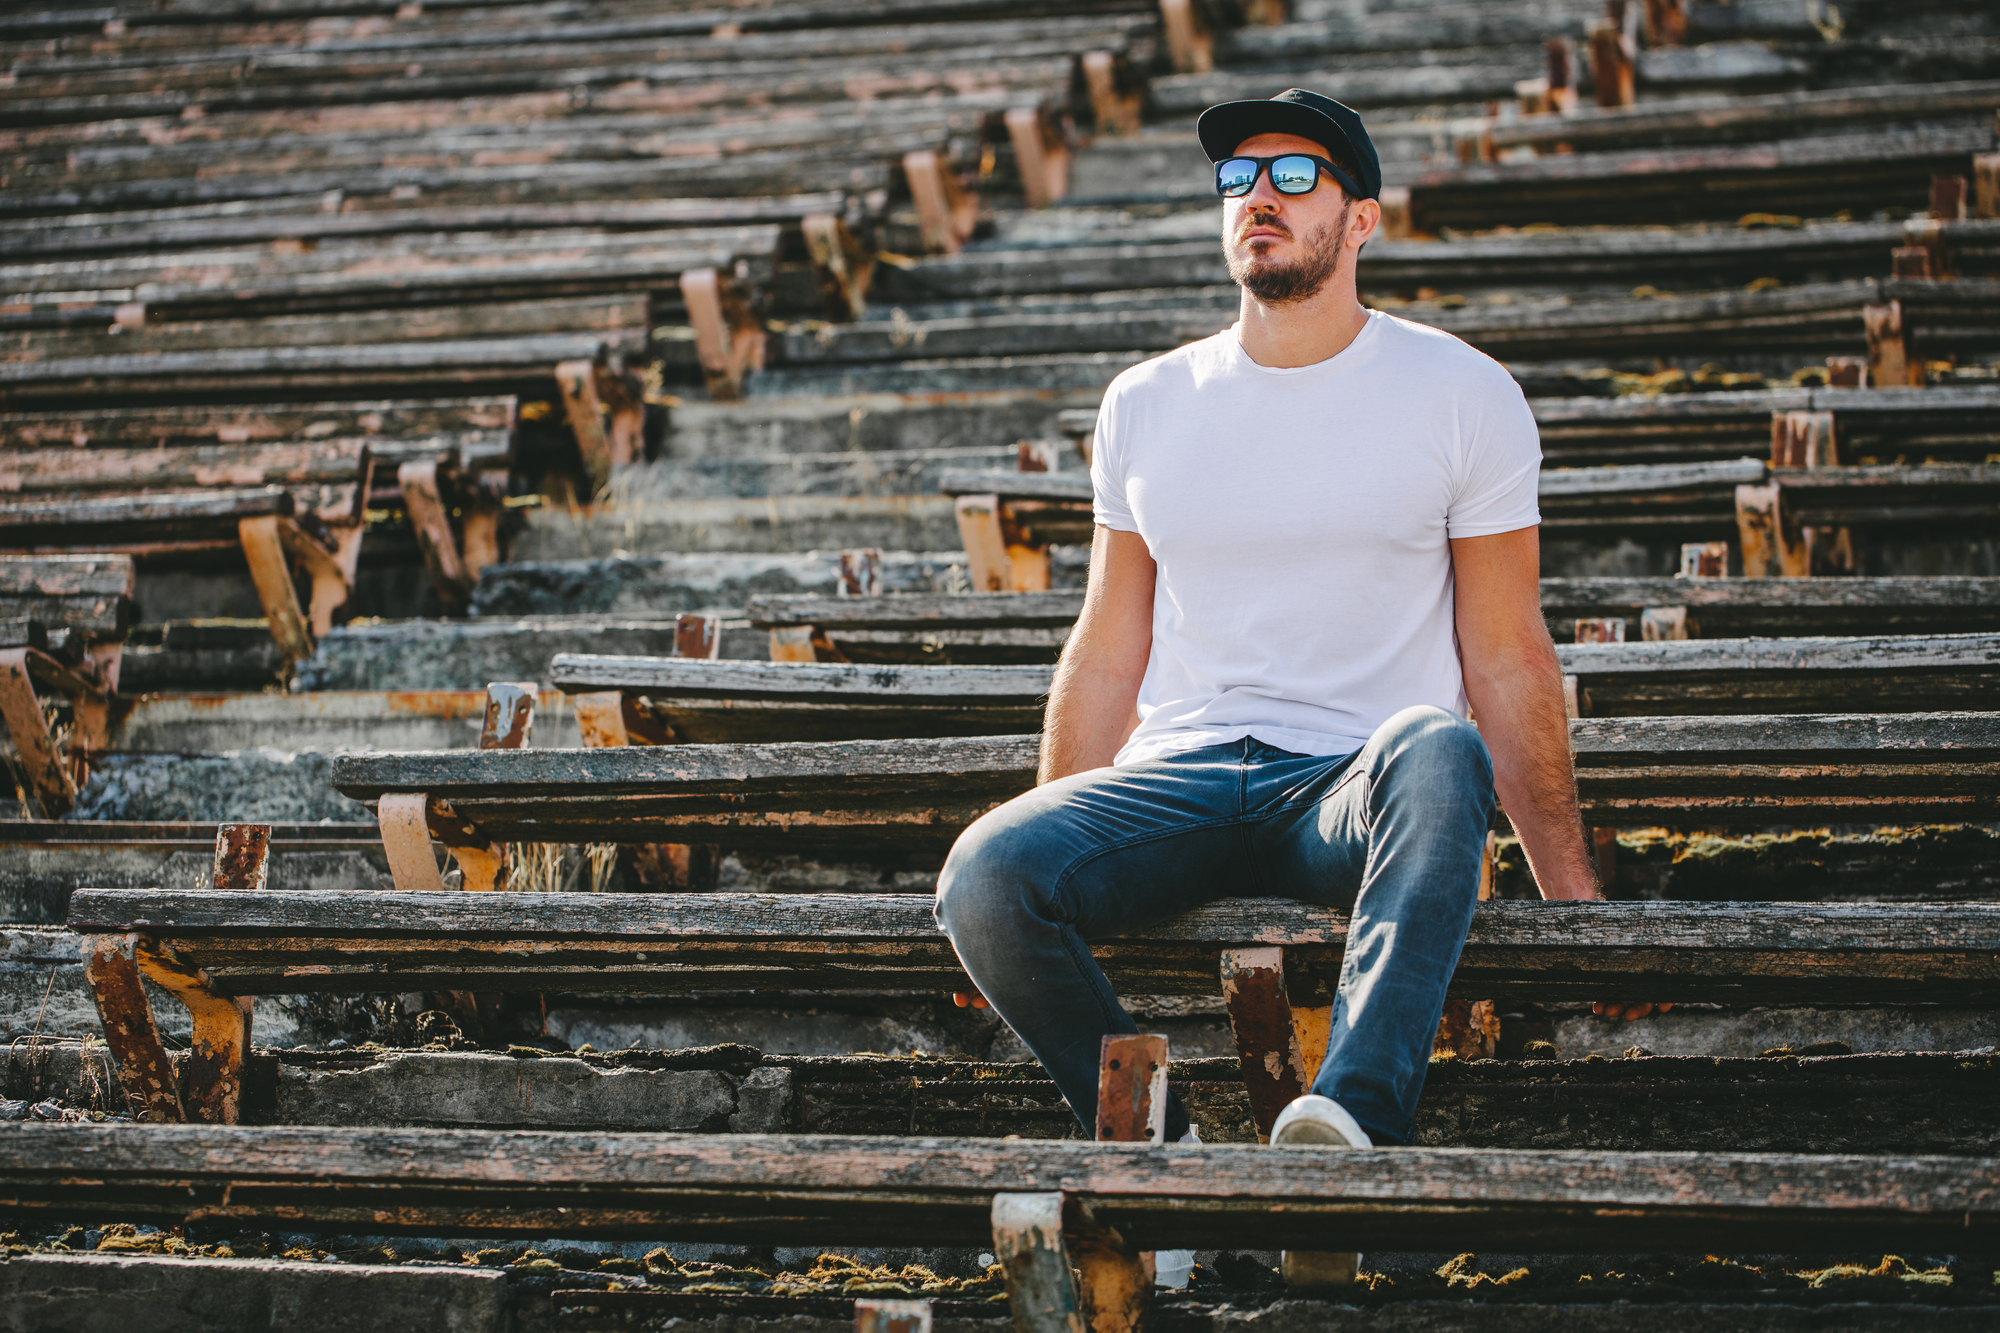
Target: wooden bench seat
<point>705,702</point>
<point>914,796</point>
<point>517,365</point>
<point>988,629</point>
<point>63,619</point>
<point>273,504</point>
<point>1813,176</point>
<point>783,1189</point>
<point>331,941</point>
<point>1717,118</point>
<point>1722,608</point>
<point>662,48</point>
<point>413,269</point>
<point>1810,320</point>
<point>1008,520</point>
<point>1943,423</point>
<point>1686,257</point>
<point>975,628</point>
<point>1920,673</point>
<point>1276,961</point>
<point>232,224</point>
<point>254,423</point>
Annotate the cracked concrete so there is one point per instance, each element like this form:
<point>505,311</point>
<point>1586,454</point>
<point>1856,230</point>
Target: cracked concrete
<point>77,1293</point>
<point>476,1089</point>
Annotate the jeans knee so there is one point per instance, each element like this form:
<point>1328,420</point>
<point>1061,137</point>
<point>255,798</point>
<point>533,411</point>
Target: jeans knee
<point>988,880</point>
<point>1435,743</point>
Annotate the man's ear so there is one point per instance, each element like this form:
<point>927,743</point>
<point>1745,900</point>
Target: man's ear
<point>1366,218</point>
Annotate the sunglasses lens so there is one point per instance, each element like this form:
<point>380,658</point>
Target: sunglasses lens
<point>1235,176</point>
<point>1294,175</point>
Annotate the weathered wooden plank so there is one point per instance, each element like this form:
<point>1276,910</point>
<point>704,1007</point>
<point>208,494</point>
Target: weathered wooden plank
<point>1813,176</point>
<point>23,576</point>
<point>672,677</point>
<point>446,363</point>
<point>240,423</point>
<point>1701,770</point>
<point>179,836</point>
<point>784,1188</point>
<point>226,224</point>
<point>1717,119</point>
<point>1729,607</point>
<point>860,766</point>
<point>222,326</point>
<point>327,462</point>
<point>917,611</point>
<point>133,519</point>
<point>261,279</point>
<point>489,186</point>
<point>1874,653</point>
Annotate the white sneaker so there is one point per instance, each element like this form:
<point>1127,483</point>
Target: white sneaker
<point>1313,1119</point>
<point>1171,1268</point>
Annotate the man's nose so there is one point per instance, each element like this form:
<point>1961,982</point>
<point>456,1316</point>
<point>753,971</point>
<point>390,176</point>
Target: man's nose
<point>1264,195</point>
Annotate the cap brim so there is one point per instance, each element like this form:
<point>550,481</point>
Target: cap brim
<point>1222,128</point>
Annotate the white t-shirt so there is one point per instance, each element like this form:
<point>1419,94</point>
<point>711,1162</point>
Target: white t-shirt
<point>1300,520</point>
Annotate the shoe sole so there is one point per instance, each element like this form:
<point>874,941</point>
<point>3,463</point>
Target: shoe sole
<point>1308,1269</point>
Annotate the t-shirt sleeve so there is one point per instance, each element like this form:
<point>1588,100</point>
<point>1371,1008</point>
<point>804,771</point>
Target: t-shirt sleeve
<point>1501,473</point>
<point>1107,469</point>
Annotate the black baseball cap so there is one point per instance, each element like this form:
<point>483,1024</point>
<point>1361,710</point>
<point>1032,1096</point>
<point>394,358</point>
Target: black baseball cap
<point>1295,111</point>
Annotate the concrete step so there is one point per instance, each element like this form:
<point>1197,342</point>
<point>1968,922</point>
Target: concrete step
<point>343,1284</point>
<point>1905,1103</point>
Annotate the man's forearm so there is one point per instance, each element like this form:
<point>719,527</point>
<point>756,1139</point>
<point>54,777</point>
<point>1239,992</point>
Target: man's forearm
<point>1090,714</point>
<point>1521,715</point>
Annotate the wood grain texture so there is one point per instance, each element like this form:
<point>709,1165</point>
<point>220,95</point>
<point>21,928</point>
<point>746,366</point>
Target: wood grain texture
<point>918,611</point>
<point>675,677</point>
<point>676,943</point>
<point>1971,653</point>
<point>1703,769</point>
<point>787,1189</point>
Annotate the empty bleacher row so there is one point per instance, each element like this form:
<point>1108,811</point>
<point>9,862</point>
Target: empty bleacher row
<point>723,376</point>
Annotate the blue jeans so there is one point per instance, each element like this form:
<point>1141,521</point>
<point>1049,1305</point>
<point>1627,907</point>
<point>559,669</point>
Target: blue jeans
<point>1392,833</point>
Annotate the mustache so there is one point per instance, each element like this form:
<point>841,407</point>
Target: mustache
<point>1269,220</point>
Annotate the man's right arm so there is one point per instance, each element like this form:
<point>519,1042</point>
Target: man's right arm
<point>1093,704</point>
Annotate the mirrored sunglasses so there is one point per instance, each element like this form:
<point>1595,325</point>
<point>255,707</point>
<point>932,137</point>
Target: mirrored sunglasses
<point>1291,173</point>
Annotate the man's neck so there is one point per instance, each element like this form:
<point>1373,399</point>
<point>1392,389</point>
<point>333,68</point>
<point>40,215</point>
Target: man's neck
<point>1305,333</point>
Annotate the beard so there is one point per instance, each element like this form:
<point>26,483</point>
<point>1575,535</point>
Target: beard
<point>1302,278</point>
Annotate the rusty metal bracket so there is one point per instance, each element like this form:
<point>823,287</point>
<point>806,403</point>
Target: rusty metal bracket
<point>1190,43</point>
<point>50,785</point>
<point>728,337</point>
<point>1267,1042</point>
<point>404,818</point>
<point>843,265</point>
<point>1115,1287</point>
<point>510,715</point>
<point>1116,106</point>
<point>1132,1089</point>
<point>242,857</point>
<point>212,1073</point>
<point>946,212</point>
<point>1041,154</point>
<point>430,520</point>
<point>1028,1242</point>
<point>111,970</point>
<point>264,549</point>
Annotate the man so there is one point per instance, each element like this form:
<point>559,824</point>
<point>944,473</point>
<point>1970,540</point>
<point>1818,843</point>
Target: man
<point>1316,554</point>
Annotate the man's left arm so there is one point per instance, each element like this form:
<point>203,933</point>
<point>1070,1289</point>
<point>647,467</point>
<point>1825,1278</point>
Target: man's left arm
<point>1514,684</point>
